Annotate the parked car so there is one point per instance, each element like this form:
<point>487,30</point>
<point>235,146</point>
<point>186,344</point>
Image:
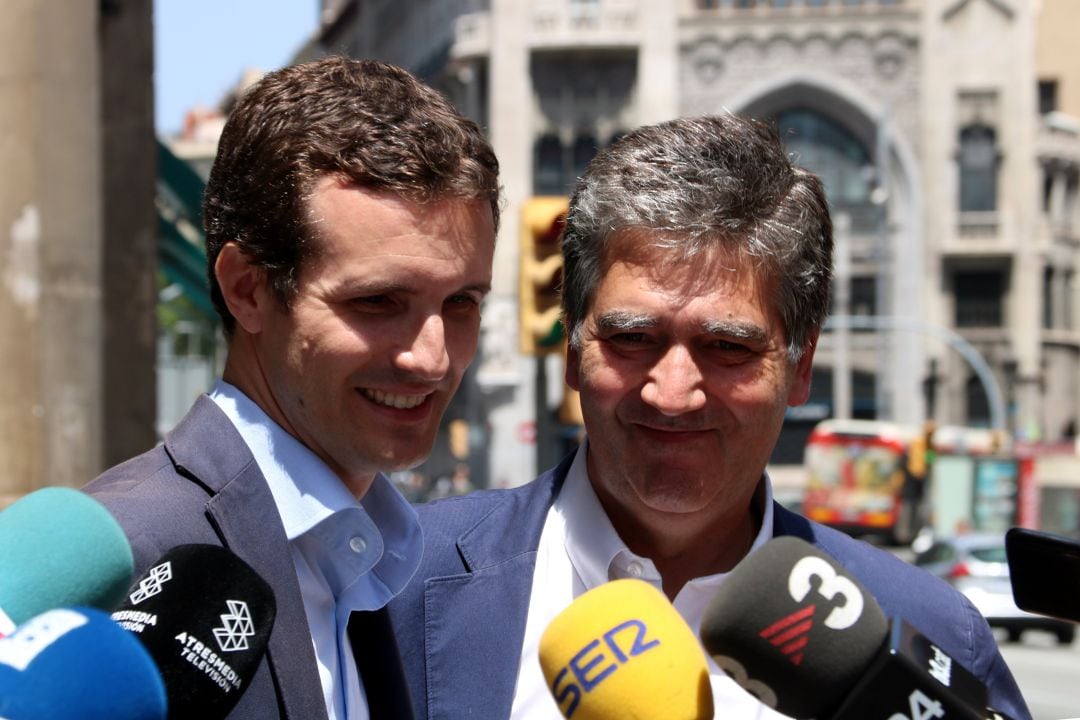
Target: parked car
<point>976,565</point>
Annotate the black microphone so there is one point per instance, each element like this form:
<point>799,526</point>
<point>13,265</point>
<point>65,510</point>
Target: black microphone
<point>205,617</point>
<point>796,630</point>
<point>1044,572</point>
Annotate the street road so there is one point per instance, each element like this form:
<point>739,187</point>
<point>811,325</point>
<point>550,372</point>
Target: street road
<point>1048,674</point>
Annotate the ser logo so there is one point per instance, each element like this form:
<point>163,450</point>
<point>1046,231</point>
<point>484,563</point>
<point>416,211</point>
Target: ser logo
<point>593,664</point>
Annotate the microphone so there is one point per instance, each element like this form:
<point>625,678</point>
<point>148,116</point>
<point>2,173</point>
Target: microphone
<point>1044,572</point>
<point>77,664</point>
<point>205,617</point>
<point>621,651</point>
<point>61,548</point>
<point>797,631</point>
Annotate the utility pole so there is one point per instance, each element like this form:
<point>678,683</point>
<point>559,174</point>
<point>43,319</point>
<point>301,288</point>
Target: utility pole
<point>65,201</point>
<point>883,255</point>
<point>841,388</point>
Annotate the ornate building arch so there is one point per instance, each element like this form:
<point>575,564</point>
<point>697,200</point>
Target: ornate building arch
<point>894,240</point>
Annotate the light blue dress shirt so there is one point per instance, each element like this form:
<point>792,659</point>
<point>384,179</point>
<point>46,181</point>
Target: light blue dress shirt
<point>349,554</point>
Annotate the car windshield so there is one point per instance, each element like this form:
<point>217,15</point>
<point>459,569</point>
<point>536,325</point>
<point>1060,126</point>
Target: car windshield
<point>989,554</point>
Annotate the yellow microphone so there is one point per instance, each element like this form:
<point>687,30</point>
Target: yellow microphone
<point>622,651</point>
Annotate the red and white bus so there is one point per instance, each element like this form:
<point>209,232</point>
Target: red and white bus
<point>862,478</point>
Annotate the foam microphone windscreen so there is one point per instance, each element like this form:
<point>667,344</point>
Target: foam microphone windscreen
<point>205,616</point>
<point>793,627</point>
<point>60,548</point>
<point>621,651</point>
<point>77,664</point>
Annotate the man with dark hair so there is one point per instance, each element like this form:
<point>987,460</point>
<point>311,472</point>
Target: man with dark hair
<point>697,264</point>
<point>350,219</point>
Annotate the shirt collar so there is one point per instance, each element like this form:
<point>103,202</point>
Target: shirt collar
<point>314,504</point>
<point>595,549</point>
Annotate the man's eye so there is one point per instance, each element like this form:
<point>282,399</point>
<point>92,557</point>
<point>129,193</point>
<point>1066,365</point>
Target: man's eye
<point>372,301</point>
<point>730,349</point>
<point>462,299</point>
<point>629,338</point>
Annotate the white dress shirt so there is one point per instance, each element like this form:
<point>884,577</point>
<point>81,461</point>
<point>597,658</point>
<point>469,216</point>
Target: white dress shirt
<point>579,550</point>
<point>349,554</point>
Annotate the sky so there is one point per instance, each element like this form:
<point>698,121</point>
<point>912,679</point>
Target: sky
<point>202,47</point>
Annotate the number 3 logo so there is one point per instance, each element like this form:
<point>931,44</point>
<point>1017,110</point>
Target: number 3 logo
<point>831,586</point>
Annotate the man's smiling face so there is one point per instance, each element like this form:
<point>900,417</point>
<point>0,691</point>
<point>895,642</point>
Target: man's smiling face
<point>685,379</point>
<point>385,320</point>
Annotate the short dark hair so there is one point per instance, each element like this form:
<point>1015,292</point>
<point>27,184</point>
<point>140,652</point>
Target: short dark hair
<point>720,181</point>
<point>372,124</point>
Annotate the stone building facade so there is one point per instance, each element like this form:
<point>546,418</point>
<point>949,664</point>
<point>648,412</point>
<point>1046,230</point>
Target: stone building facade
<point>946,132</point>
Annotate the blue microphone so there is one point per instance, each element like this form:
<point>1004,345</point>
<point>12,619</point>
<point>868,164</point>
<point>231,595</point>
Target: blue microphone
<point>60,548</point>
<point>77,664</point>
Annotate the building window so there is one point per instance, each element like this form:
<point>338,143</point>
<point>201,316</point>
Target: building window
<point>548,166</point>
<point>979,298</point>
<point>978,406</point>
<point>863,295</point>
<point>584,150</point>
<point>1048,298</point>
<point>978,169</point>
<point>830,150</point>
<point>1070,301</point>
<point>1072,186</point>
<point>1048,90</point>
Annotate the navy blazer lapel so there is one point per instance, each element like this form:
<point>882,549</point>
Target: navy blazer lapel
<point>210,451</point>
<point>480,614</point>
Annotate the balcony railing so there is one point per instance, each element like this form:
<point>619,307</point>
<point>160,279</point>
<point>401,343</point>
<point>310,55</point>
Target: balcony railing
<point>978,225</point>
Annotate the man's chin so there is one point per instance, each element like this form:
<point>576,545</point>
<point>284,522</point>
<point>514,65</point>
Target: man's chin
<point>405,460</point>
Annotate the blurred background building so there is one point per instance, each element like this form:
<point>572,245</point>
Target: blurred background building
<point>78,249</point>
<point>946,132</point>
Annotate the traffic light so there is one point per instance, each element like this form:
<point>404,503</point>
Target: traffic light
<point>540,329</point>
<point>921,452</point>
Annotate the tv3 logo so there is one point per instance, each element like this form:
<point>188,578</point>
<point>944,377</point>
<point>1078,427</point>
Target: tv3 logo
<point>832,585</point>
<point>790,634</point>
<point>591,665</point>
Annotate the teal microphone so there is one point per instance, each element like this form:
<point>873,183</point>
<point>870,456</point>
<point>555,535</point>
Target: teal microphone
<point>59,547</point>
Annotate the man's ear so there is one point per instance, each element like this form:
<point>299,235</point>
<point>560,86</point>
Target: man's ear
<point>799,392</point>
<point>243,287</point>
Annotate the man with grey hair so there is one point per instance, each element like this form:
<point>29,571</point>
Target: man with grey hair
<point>697,264</point>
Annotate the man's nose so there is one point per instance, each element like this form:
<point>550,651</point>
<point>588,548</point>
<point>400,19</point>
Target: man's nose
<point>674,385</point>
<point>425,355</point>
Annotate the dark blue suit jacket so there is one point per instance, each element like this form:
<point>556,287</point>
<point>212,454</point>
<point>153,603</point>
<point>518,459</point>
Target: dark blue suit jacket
<point>461,622</point>
<point>202,485</point>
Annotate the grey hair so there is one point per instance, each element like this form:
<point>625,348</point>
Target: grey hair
<point>698,184</point>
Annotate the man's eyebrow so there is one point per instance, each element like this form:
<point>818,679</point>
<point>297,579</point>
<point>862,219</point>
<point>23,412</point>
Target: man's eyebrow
<point>480,288</point>
<point>736,329</point>
<point>622,320</point>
